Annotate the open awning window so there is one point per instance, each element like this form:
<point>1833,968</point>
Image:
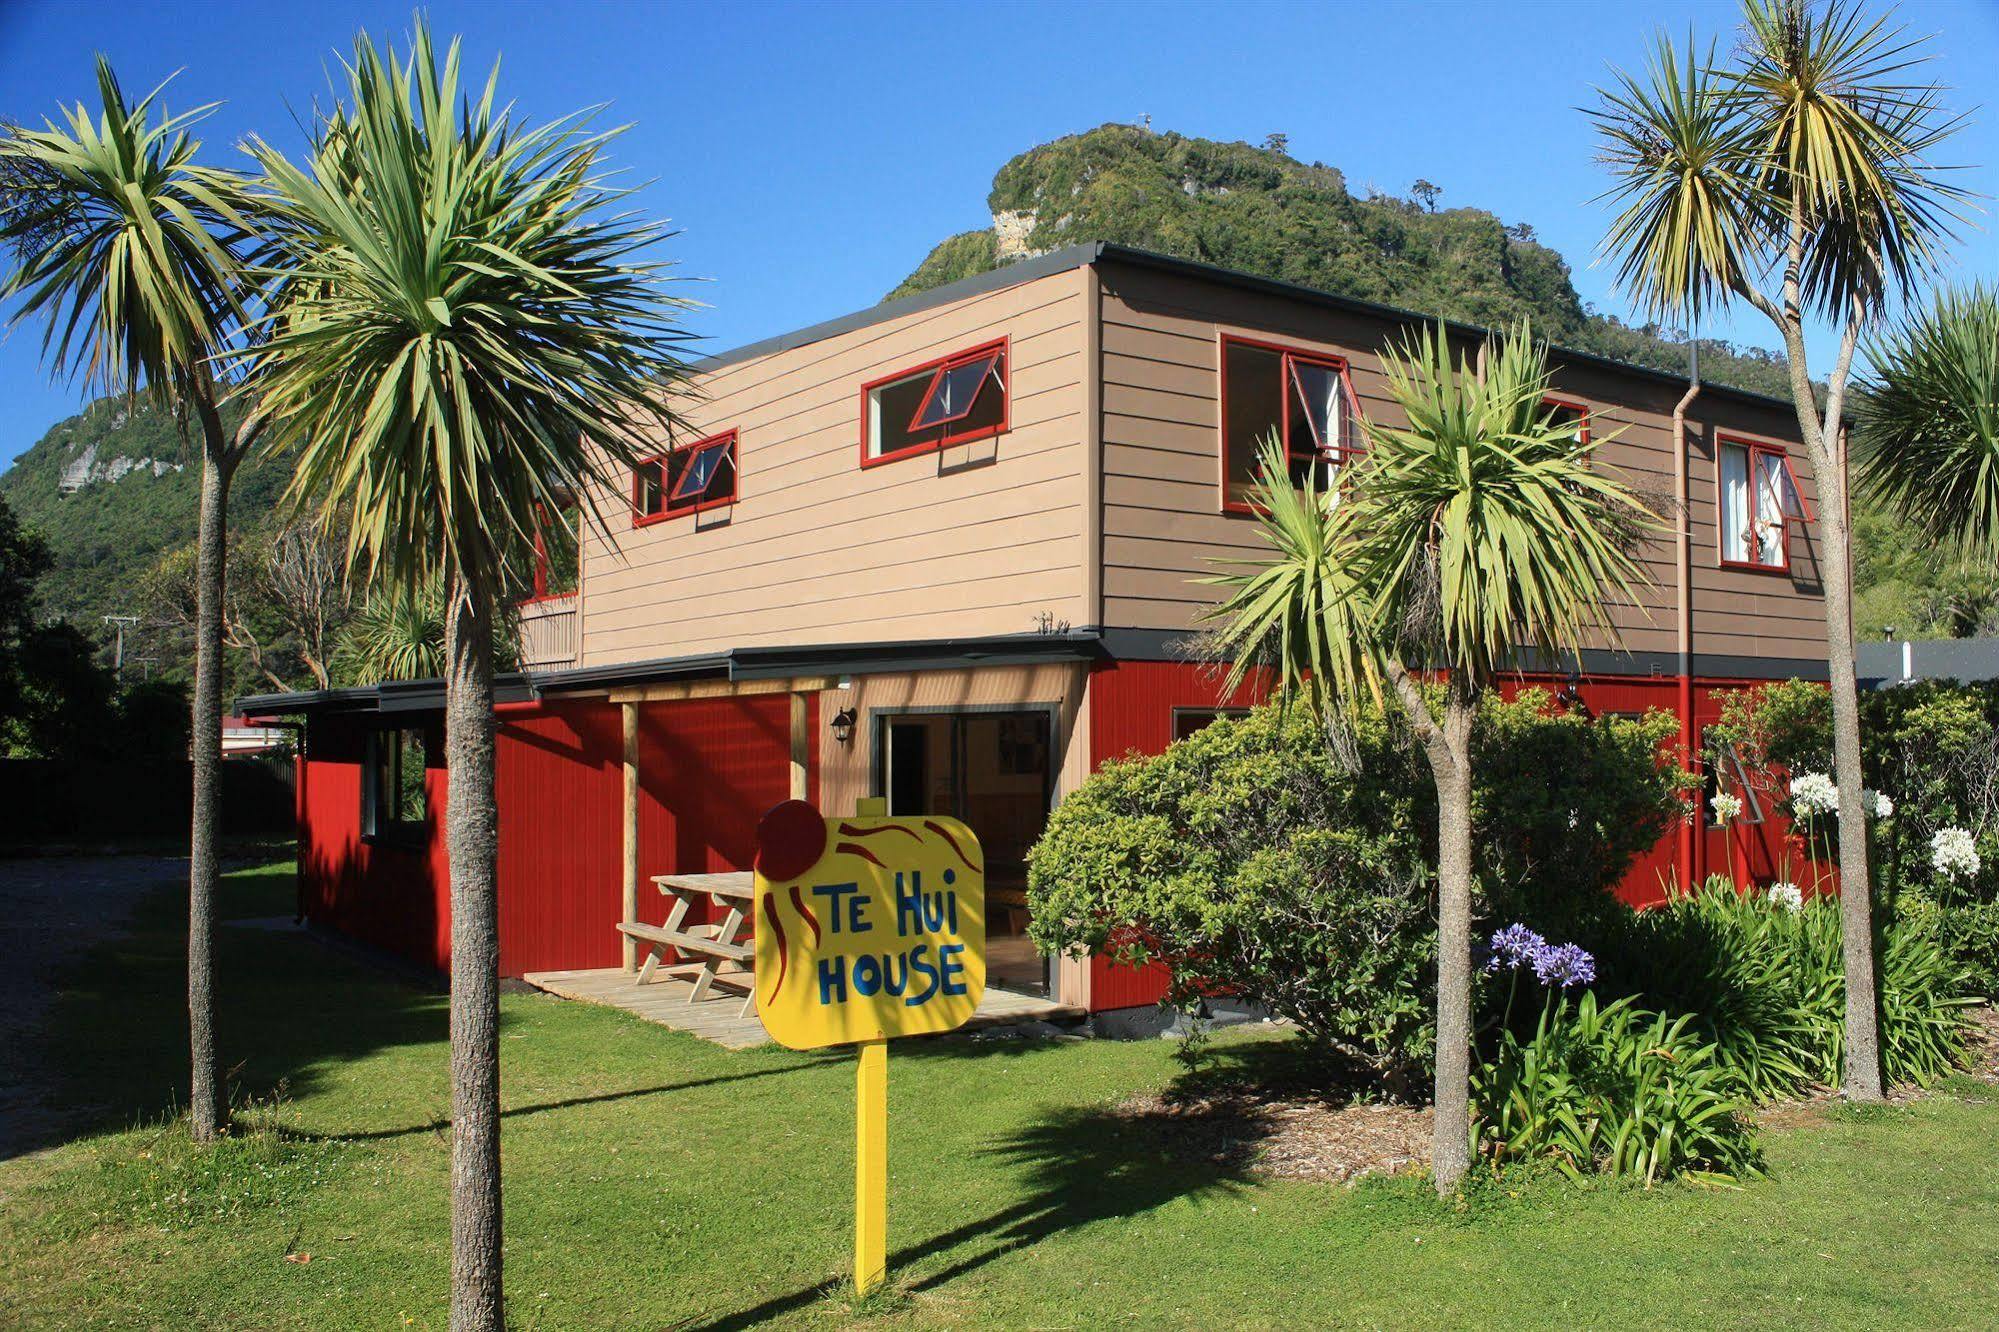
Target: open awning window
<point>689,479</point>
<point>952,400</point>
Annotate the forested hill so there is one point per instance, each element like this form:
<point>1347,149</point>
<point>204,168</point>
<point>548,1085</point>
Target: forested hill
<point>1260,211</point>
<point>112,489</point>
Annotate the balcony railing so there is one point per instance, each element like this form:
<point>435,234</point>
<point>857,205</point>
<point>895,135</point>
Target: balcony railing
<point>548,633</point>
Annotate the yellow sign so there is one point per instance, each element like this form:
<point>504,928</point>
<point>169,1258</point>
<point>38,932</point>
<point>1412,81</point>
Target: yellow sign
<point>867,927</point>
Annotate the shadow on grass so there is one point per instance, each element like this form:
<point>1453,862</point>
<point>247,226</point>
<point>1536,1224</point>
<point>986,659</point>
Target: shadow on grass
<point>117,1036</point>
<point>291,1006</point>
<point>1075,1168</point>
<point>439,1125</point>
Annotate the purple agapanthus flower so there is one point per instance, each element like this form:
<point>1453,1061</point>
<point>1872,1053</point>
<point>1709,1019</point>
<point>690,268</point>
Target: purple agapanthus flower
<point>1565,966</point>
<point>1513,947</point>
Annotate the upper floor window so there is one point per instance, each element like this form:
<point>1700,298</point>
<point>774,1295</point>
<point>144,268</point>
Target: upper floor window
<point>553,567</point>
<point>1561,411</point>
<point>1303,398</point>
<point>395,799</point>
<point>689,479</point>
<point>1759,502</point>
<point>951,400</point>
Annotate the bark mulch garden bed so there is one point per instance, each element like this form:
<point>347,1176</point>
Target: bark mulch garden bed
<point>1284,1131</point>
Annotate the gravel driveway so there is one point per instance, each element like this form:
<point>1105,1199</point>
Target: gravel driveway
<point>53,909</point>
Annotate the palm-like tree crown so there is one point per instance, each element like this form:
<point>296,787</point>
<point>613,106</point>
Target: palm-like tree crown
<point>1480,528</point>
<point>129,248</point>
<point>462,332</point>
<point>1814,137</point>
<point>1476,533</point>
<point>1926,427</point>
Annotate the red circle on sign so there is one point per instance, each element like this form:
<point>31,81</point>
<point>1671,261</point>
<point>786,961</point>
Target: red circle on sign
<point>790,840</point>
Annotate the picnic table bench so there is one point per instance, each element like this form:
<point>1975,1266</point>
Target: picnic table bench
<point>719,954</point>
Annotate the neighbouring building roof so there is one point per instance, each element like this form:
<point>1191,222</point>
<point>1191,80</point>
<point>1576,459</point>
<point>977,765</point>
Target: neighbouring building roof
<point>1093,252</point>
<point>1965,660</point>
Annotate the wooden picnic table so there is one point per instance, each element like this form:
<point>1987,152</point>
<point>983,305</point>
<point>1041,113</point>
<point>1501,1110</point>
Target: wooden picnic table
<point>714,946</point>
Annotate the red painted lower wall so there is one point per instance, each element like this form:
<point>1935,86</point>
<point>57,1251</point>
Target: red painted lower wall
<point>708,771</point>
<point>1131,711</point>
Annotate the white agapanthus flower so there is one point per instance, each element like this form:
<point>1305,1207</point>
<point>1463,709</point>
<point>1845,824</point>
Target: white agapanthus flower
<point>1954,853</point>
<point>1877,805</point>
<point>1725,806</point>
<point>1813,794</point>
<point>1787,895</point>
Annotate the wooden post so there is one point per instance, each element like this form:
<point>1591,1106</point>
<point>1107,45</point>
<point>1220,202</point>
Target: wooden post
<point>801,743</point>
<point>871,1167</point>
<point>631,886</point>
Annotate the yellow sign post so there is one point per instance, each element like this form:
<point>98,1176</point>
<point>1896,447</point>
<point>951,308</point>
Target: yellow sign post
<point>867,928</point>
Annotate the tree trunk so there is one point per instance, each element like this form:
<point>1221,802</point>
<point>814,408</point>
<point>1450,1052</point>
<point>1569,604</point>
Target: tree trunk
<point>1863,1080</point>
<point>472,842</point>
<point>1451,1145</point>
<point>208,1107</point>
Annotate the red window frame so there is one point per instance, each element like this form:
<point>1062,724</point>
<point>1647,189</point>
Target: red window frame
<point>1754,447</point>
<point>1339,455</point>
<point>936,369</point>
<point>1553,402</point>
<point>541,566</point>
<point>667,510</point>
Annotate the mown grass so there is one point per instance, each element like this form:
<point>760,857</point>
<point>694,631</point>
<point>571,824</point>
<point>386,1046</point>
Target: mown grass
<point>657,1182</point>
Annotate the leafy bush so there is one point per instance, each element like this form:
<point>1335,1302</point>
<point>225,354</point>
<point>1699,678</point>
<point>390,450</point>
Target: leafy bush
<point>1259,858</point>
<point>1766,986</point>
<point>1612,1089</point>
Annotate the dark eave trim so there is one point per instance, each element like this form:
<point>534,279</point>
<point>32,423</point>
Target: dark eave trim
<point>391,696</point>
<point>756,663</point>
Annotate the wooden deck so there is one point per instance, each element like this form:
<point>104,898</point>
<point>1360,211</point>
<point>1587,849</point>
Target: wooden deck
<point>718,1018</point>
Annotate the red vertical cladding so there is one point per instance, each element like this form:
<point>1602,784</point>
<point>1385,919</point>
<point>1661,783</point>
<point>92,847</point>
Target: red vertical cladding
<point>1131,711</point>
<point>390,896</point>
<point>559,784</point>
<point>708,769</point>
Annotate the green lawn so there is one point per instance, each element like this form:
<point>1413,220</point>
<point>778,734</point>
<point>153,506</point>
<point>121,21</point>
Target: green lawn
<point>657,1182</point>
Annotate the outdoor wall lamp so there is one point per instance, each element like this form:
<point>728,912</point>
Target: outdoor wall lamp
<point>843,725</point>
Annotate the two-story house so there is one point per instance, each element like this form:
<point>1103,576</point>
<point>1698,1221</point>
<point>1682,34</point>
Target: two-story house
<point>949,551</point>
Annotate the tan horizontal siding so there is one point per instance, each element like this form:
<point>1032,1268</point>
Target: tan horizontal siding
<point>981,538</point>
<point>1163,525</point>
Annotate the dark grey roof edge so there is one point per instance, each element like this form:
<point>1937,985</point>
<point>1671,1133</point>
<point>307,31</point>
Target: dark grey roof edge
<point>998,279</point>
<point>753,663</point>
<point>1092,252</point>
<point>388,696</point>
<point>1375,309</point>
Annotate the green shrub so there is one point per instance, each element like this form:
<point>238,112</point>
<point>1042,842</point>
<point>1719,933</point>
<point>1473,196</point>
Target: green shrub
<point>1258,858</point>
<point>1612,1089</point>
<point>1766,986</point>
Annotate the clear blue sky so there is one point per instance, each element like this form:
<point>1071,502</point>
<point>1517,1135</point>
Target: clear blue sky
<point>813,153</point>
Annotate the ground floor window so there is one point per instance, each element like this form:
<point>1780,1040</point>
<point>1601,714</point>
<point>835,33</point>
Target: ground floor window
<point>395,799</point>
<point>1186,721</point>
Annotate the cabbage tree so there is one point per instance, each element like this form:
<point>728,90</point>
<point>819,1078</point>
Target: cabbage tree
<point>1926,422</point>
<point>1796,176</point>
<point>469,328</point>
<point>1474,539</point>
<point>132,252</point>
